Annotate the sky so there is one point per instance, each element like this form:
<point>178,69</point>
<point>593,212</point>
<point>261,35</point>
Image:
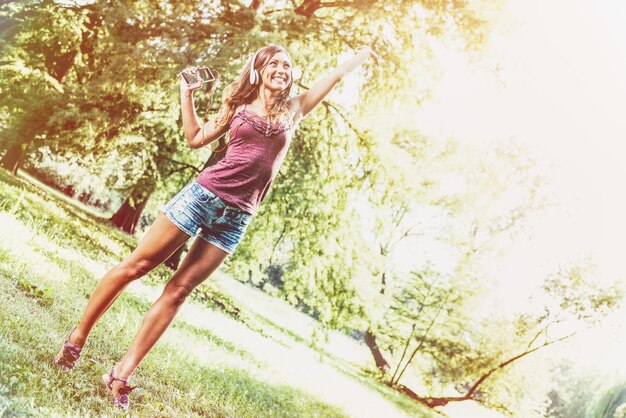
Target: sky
<point>550,77</point>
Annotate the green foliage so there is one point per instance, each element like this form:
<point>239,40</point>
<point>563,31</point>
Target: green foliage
<point>43,296</point>
<point>30,80</point>
<point>428,313</point>
<point>573,389</point>
<point>458,211</point>
<point>620,411</point>
<point>609,404</point>
<point>580,295</point>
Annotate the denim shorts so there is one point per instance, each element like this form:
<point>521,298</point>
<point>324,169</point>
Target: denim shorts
<point>198,211</point>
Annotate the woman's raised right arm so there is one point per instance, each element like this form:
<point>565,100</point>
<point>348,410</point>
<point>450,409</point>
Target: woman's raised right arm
<point>196,138</point>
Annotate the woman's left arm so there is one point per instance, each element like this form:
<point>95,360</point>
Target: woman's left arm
<point>308,100</point>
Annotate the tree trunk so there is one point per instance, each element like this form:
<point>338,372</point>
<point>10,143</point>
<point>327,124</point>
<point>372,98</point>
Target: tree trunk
<point>370,340</point>
<point>308,7</point>
<point>127,216</point>
<point>12,160</point>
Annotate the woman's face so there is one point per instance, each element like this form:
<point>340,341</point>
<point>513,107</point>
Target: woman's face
<point>276,75</point>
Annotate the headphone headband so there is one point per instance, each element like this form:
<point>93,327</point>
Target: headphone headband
<point>254,75</point>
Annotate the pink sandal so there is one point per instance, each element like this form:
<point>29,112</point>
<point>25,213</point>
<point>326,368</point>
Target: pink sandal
<point>66,359</point>
<point>121,401</point>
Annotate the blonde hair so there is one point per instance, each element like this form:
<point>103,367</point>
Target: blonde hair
<point>242,92</point>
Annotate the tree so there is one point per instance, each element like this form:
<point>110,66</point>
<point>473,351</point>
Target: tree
<point>469,203</point>
<point>33,87</point>
<point>470,353</point>
<point>104,35</point>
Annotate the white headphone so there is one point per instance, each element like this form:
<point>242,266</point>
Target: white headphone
<point>254,74</point>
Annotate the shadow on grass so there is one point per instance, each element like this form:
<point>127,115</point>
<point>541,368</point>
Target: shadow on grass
<point>62,222</point>
<point>213,339</point>
<point>371,380</point>
<point>355,372</point>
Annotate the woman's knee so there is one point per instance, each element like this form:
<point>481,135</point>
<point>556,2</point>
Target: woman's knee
<point>135,269</point>
<point>177,293</point>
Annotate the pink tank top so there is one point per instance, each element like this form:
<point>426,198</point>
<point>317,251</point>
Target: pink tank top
<point>256,151</point>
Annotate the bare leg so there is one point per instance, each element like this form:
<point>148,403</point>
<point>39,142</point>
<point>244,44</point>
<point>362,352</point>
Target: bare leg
<point>161,240</point>
<point>202,260</point>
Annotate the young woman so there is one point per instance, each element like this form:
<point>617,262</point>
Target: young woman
<point>217,205</point>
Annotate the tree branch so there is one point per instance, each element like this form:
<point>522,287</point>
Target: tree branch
<point>541,331</point>
<point>185,166</point>
<point>419,346</point>
<point>309,7</point>
<point>280,237</point>
<point>515,358</point>
<point>406,347</point>
<point>444,400</point>
<point>417,317</point>
<point>358,133</point>
<point>406,234</point>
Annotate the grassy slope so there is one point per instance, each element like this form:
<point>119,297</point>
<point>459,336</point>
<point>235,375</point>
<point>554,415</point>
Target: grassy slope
<point>207,364</point>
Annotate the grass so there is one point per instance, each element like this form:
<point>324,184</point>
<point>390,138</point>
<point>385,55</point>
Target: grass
<point>178,384</point>
<point>218,359</point>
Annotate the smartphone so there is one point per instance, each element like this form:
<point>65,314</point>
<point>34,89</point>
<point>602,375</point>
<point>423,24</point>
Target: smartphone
<point>203,74</point>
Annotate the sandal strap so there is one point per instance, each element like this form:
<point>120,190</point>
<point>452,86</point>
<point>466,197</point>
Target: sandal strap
<point>67,339</point>
<point>124,390</point>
